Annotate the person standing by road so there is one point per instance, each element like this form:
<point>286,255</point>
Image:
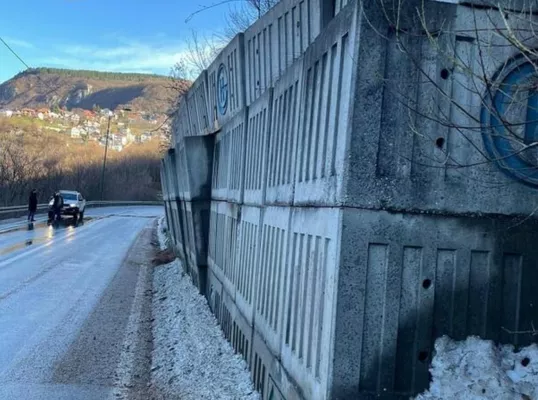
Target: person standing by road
<point>32,205</point>
<point>57,206</point>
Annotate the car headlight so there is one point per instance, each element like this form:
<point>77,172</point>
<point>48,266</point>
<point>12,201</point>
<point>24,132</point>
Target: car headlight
<point>72,205</point>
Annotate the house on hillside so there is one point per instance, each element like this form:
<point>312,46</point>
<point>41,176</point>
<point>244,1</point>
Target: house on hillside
<point>6,113</point>
<point>28,112</point>
<point>88,114</point>
<point>76,132</point>
<point>93,130</point>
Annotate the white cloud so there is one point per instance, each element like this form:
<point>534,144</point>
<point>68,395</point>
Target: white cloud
<point>126,57</point>
<point>18,43</point>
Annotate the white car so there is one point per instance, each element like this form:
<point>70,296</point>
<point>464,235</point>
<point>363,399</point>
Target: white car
<point>74,204</point>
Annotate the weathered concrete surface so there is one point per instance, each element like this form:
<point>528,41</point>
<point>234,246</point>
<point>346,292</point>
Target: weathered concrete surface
<point>362,218</point>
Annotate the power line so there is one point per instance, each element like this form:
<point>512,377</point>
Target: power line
<point>52,89</point>
<point>14,53</point>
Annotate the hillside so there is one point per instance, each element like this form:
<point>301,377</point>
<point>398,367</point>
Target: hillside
<point>46,87</point>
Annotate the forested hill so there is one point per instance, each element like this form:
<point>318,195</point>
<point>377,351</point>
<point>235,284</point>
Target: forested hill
<point>88,74</point>
<point>47,87</point>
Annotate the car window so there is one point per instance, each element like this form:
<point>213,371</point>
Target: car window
<point>69,196</point>
<point>79,197</point>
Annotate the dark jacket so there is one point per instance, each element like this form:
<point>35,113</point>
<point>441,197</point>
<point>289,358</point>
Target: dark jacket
<point>32,202</point>
<point>58,202</point>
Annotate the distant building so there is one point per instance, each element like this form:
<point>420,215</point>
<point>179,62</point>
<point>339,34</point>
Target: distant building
<point>41,116</point>
<point>88,114</point>
<point>28,112</point>
<point>6,113</point>
<point>76,132</point>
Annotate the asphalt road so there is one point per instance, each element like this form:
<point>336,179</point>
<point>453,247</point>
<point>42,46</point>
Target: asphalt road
<point>67,296</point>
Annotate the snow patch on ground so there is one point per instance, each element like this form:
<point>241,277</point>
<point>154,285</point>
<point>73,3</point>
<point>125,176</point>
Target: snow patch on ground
<point>477,369</point>
<point>161,233</point>
<point>191,357</point>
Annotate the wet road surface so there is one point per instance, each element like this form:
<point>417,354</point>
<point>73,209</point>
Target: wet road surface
<point>65,298</point>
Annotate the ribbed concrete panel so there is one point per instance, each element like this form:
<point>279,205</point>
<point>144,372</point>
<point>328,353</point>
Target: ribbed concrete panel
<point>224,263</point>
<point>284,136</point>
<point>417,278</point>
<point>247,261</point>
<point>271,279</point>
<point>310,298</point>
<point>326,97</point>
<point>228,160</point>
<point>198,107</point>
<point>276,40</point>
<point>257,147</point>
<point>181,125</point>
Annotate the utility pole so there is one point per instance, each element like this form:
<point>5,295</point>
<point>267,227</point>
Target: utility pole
<point>106,150</point>
<point>104,159</point>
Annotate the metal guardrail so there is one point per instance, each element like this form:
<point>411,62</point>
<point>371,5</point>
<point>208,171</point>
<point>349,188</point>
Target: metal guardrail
<point>41,207</point>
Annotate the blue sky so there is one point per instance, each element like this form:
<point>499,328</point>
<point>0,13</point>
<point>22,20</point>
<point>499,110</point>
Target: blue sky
<point>112,35</point>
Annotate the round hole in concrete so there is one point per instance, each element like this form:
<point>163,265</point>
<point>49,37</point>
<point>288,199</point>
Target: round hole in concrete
<point>426,283</point>
<point>525,361</point>
<point>423,356</point>
<point>440,142</point>
<point>445,73</point>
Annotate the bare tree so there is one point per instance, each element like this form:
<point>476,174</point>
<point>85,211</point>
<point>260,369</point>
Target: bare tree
<point>241,16</point>
<point>30,159</point>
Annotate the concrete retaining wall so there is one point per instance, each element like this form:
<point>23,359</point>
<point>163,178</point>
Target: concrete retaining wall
<point>315,209</point>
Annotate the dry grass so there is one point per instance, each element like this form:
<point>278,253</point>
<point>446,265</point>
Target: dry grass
<point>163,257</point>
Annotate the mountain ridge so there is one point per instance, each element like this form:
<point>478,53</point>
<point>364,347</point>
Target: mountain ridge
<point>49,87</point>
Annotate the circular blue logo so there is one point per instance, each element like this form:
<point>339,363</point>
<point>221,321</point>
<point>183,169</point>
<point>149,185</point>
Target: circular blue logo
<point>509,119</point>
<point>222,89</point>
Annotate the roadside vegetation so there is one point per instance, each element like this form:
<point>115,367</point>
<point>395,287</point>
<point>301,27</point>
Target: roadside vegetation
<point>31,157</point>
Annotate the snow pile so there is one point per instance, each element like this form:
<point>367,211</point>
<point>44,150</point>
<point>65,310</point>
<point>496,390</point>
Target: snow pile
<point>191,358</point>
<point>478,369</point>
<point>161,233</point>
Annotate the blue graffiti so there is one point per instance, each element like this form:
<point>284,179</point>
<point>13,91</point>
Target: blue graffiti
<point>222,89</point>
<point>499,139</point>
